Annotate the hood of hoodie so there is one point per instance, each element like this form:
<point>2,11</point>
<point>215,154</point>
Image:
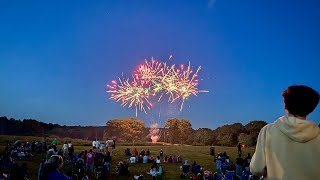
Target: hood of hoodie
<point>297,129</point>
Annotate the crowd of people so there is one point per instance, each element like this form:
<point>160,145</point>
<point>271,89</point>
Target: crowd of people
<point>293,131</point>
<point>233,170</point>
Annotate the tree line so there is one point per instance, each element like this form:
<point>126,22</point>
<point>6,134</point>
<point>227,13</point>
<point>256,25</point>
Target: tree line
<point>174,131</point>
<point>180,131</point>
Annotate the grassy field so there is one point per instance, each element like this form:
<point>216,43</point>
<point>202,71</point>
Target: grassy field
<point>192,153</point>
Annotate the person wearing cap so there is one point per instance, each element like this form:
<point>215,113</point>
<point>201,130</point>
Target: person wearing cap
<point>52,166</point>
<point>185,168</point>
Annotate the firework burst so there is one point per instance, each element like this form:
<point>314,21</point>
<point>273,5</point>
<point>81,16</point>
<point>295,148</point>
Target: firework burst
<point>130,94</point>
<point>153,78</point>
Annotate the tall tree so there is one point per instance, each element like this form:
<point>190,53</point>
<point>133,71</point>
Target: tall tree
<point>178,130</point>
<point>126,130</point>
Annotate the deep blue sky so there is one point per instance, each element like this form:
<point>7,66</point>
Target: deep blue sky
<point>56,57</point>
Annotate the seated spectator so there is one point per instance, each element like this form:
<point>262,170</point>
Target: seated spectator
<point>142,153</point>
<point>133,159</point>
<point>124,169</point>
<point>151,159</point>
<point>224,154</point>
<point>18,172</point>
<point>170,159</point>
<point>165,160</point>
<point>148,152</point>
<point>229,174</point>
<point>227,159</point>
<point>80,167</point>
<point>52,166</point>
<point>50,152</point>
<point>140,159</point>
<point>60,152</point>
<point>218,163</point>
<point>216,175</point>
<point>145,159</point>
<point>158,161</point>
<point>197,177</point>
<point>154,169</point>
<point>247,160</point>
<point>127,152</point>
<point>185,168</point>
<point>139,177</point>
<point>245,174</point>
<point>135,152</point>
<point>179,159</point>
<point>174,159</point>
<point>3,175</point>
<point>195,168</point>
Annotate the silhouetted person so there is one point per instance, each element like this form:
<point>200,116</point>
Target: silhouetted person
<point>239,148</point>
<point>114,143</point>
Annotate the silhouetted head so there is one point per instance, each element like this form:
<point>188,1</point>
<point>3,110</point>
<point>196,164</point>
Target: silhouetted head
<point>300,100</point>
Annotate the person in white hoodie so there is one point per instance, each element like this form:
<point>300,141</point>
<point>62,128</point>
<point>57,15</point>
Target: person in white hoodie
<point>289,148</point>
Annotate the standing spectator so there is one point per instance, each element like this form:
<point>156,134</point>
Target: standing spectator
<point>90,161</point>
<point>161,153</point>
<point>45,144</point>
<point>94,144</point>
<point>107,144</point>
<point>288,148</point>
<point>65,148</point>
<point>101,147</point>
<point>239,148</point>
<point>97,145</point>
<point>212,153</point>
<point>114,143</point>
<point>239,165</point>
<point>71,151</point>
<point>85,156</point>
<point>107,161</point>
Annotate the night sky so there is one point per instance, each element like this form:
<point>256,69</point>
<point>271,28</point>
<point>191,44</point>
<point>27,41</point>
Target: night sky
<point>56,57</point>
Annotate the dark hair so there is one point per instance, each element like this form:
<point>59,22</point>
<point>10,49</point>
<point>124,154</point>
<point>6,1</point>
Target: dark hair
<point>300,100</point>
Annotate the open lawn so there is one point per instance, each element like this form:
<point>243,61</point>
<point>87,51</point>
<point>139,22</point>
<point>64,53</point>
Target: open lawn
<point>192,153</point>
